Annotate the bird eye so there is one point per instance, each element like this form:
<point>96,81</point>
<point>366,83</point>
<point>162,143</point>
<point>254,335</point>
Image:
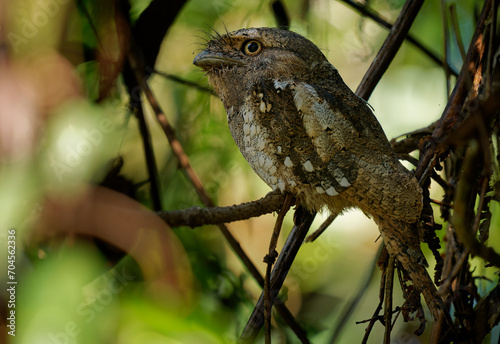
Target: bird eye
<point>252,48</point>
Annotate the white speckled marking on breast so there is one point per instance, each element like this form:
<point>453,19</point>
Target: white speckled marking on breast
<point>258,151</point>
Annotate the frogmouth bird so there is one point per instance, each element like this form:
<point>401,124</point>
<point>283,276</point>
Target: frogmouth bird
<point>305,132</point>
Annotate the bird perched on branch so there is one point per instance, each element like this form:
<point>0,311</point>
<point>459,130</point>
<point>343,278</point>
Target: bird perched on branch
<point>305,132</point>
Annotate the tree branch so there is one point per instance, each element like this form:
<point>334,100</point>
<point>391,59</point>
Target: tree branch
<point>303,220</point>
<point>125,34</point>
<point>182,81</point>
<point>389,49</point>
<point>370,13</point>
<point>453,114</point>
<point>280,15</point>
<point>196,216</point>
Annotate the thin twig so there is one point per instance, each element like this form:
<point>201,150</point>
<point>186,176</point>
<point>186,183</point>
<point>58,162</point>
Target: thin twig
<point>154,181</point>
<point>322,228</point>
<point>443,289</point>
<point>389,282</point>
<point>442,183</point>
<point>493,37</point>
<point>288,202</point>
<point>408,142</point>
<point>352,304</point>
<point>456,30</point>
<point>83,8</point>
<point>136,106</point>
<point>446,66</point>
<point>182,81</point>
<point>376,316</point>
<point>303,220</point>
<point>389,49</point>
<point>370,13</point>
<point>442,203</point>
<point>269,260</point>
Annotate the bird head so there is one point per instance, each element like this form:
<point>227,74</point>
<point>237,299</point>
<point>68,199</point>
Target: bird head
<point>237,58</point>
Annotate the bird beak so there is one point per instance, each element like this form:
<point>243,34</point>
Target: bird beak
<point>207,60</point>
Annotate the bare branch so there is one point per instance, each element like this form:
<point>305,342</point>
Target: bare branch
<point>453,115</point>
<point>280,15</point>
<point>303,221</point>
<point>389,49</point>
<point>182,81</point>
<point>196,216</point>
<point>368,12</point>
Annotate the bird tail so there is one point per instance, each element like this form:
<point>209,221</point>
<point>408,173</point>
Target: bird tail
<point>402,241</point>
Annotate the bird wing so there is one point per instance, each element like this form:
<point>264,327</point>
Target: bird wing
<point>339,120</point>
<point>309,135</point>
<point>355,157</point>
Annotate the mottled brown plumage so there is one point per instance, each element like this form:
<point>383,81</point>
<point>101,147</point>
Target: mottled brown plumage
<point>304,131</point>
